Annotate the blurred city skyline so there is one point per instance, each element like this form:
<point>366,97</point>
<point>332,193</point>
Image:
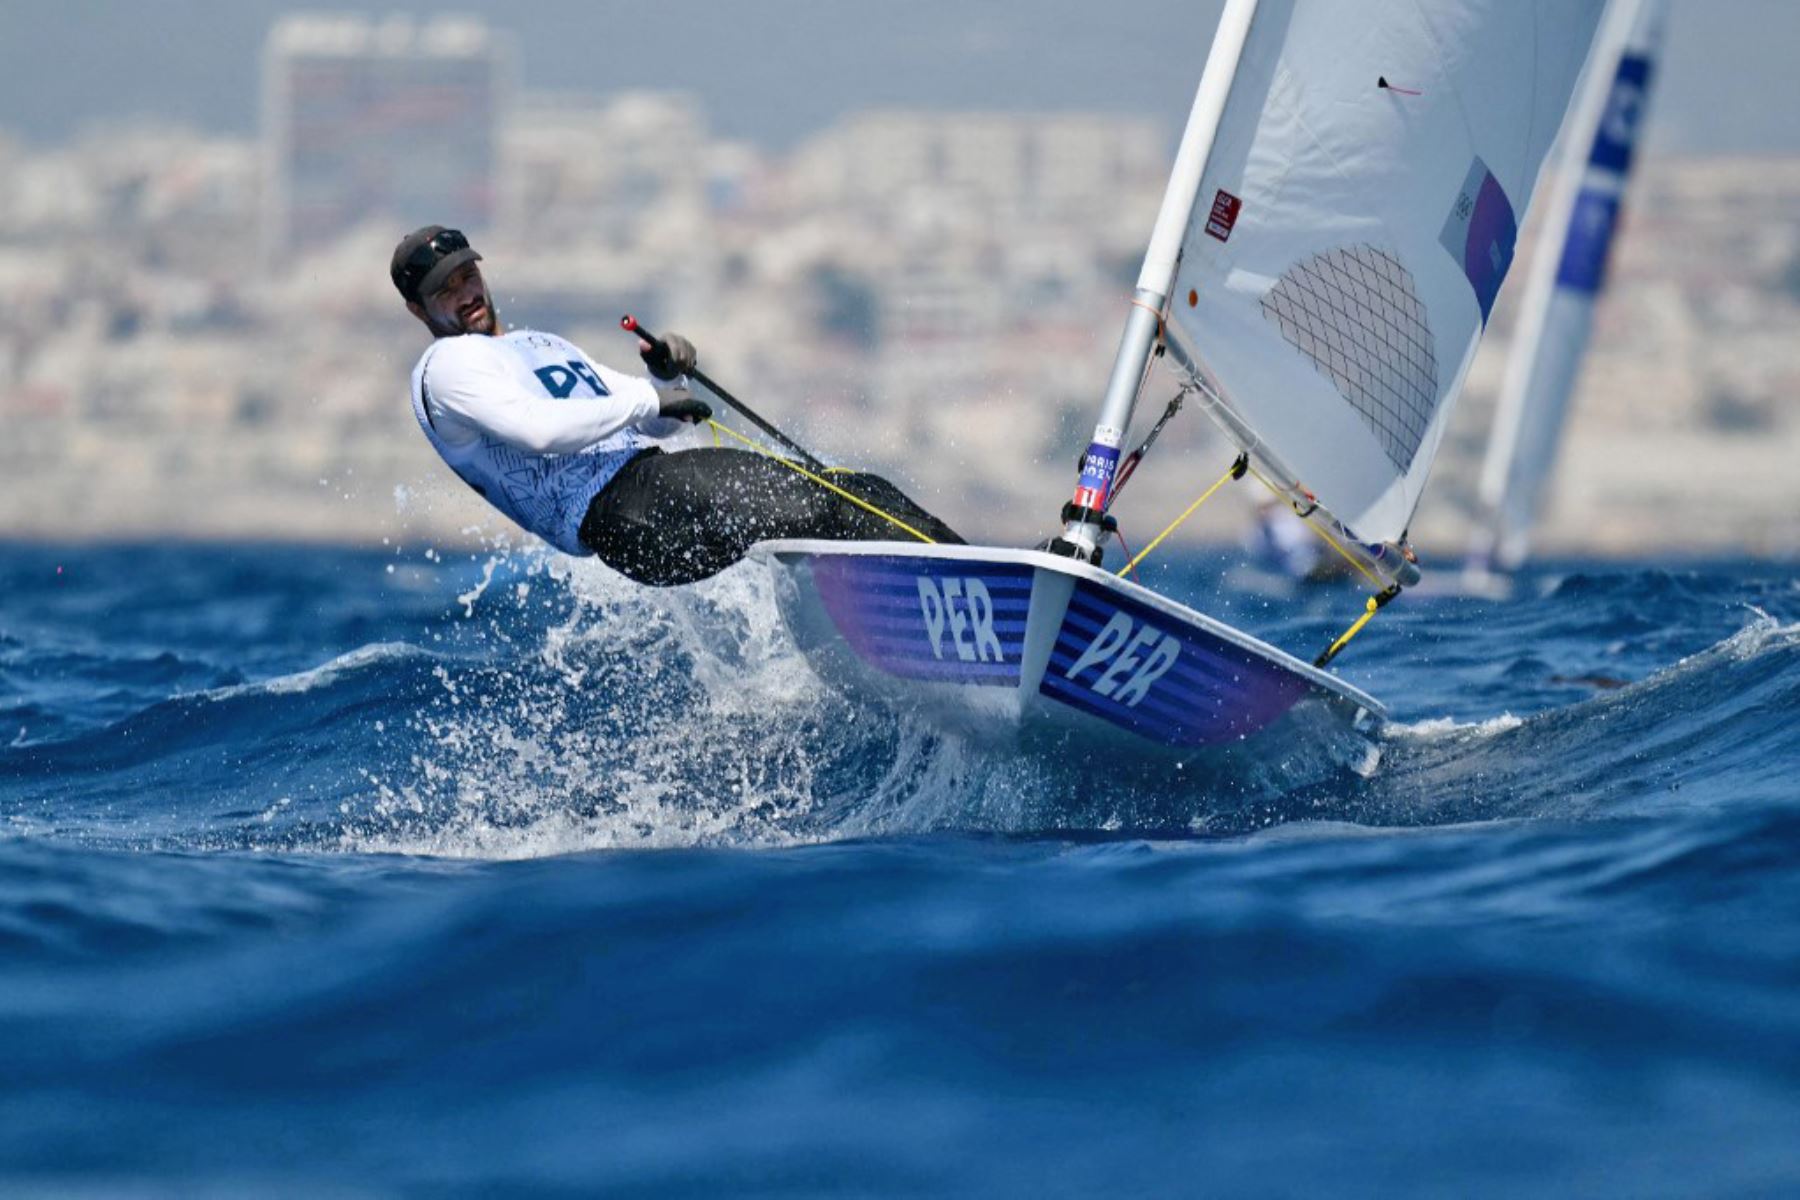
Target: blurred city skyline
<point>915,256</point>
<point>775,71</point>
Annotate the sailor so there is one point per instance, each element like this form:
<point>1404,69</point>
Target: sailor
<point>573,451</point>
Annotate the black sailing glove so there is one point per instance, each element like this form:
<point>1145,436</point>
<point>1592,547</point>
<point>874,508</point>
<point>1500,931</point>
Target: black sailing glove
<point>671,360</point>
<point>679,404</point>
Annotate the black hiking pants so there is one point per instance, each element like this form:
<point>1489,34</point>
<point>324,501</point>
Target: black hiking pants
<point>669,519</point>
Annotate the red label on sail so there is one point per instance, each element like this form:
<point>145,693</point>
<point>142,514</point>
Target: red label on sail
<point>1224,214</point>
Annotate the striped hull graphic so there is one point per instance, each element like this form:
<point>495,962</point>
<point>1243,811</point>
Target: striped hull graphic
<point>1133,667</point>
<point>1010,644</point>
<point>931,620</point>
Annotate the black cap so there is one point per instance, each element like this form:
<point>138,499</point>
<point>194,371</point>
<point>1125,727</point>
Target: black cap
<point>426,257</point>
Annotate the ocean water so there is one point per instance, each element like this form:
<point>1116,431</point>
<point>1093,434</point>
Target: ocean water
<point>374,873</point>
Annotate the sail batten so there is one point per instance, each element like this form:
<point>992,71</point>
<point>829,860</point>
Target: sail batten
<point>1355,219</point>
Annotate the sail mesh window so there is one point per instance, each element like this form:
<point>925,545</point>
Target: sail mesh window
<point>1354,313</point>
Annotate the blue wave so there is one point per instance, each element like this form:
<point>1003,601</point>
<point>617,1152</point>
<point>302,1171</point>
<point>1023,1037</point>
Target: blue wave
<point>515,739</point>
<point>316,877</point>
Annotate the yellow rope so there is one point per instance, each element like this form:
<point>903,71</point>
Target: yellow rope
<point>1231,473</point>
<point>795,467</point>
<point>1369,612</point>
<point>1237,470</point>
<point>1375,603</point>
<point>1320,530</point>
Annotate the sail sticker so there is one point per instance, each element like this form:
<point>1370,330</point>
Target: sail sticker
<point>1098,466</point>
<point>1582,267</point>
<point>1480,233</point>
<point>1224,215</point>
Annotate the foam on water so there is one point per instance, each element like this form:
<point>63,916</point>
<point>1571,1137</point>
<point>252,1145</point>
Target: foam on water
<point>1438,728</point>
<point>560,709</point>
<point>688,717</point>
<point>640,718</point>
<point>363,658</point>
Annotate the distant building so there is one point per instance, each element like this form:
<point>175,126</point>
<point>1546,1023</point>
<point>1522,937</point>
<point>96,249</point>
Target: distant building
<point>1057,166</point>
<point>594,169</point>
<point>391,121</point>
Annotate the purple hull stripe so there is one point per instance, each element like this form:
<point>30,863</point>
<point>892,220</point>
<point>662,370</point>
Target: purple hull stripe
<point>929,619</point>
<point>1135,667</point>
<point>1202,668</point>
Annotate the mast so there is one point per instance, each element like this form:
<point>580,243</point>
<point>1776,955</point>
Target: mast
<point>1566,277</point>
<point>1081,530</point>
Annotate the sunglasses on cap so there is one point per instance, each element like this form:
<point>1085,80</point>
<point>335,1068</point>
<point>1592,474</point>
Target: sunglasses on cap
<point>426,254</point>
<point>417,265</point>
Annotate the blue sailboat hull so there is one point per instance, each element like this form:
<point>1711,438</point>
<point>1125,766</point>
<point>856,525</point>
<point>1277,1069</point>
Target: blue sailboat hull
<point>1020,645</point>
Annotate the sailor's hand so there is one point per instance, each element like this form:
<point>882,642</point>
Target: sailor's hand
<point>671,360</point>
<point>680,405</point>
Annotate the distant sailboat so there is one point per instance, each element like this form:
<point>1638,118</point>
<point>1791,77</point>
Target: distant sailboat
<point>1340,216</point>
<point>1568,271</point>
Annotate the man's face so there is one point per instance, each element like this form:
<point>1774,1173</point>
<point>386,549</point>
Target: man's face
<point>462,305</point>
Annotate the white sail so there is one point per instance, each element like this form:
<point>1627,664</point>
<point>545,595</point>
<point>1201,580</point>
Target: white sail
<point>1353,223</point>
<point>1567,272</point>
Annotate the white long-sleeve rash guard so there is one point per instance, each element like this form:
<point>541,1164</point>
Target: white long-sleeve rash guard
<point>527,389</point>
<point>533,424</point>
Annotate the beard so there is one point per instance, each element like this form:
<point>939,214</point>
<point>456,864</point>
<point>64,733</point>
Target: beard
<point>478,316</point>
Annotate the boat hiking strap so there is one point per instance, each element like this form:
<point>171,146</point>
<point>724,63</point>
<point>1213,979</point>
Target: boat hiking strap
<point>1236,471</point>
<point>795,467</point>
<point>1375,604</point>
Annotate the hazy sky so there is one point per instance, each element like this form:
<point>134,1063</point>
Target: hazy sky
<point>774,70</point>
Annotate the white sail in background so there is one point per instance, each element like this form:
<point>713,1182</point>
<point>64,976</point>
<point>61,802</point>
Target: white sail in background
<point>1354,221</point>
<point>1567,272</point>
